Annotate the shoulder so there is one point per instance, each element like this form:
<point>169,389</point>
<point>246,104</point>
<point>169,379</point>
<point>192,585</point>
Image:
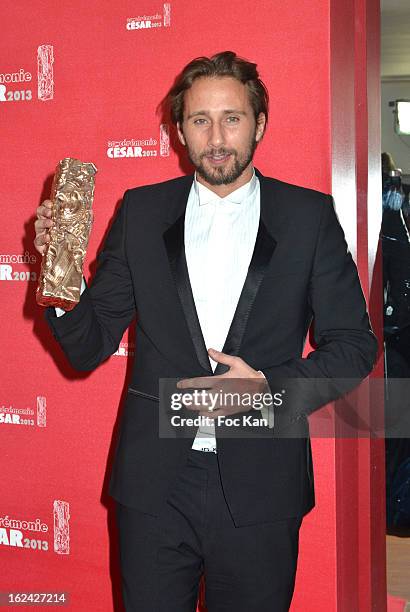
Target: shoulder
<point>156,201</point>
<point>293,204</point>
<point>154,190</point>
<point>296,193</point>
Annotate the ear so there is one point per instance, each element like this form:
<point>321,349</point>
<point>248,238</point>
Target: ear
<point>260,126</point>
<point>181,134</point>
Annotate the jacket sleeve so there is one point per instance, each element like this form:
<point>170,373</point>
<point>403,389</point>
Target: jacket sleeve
<point>92,331</point>
<point>346,345</point>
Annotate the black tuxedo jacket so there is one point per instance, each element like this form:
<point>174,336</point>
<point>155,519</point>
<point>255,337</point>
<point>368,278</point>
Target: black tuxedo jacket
<point>300,270</point>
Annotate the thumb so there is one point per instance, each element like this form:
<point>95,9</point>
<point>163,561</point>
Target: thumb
<point>221,357</point>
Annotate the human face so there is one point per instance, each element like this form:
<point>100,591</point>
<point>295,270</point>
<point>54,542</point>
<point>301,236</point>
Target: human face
<point>220,132</point>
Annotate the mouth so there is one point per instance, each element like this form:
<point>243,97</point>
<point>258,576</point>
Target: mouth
<point>218,159</point>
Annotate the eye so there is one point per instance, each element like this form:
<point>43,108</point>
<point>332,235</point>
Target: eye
<point>199,121</point>
<point>232,119</point>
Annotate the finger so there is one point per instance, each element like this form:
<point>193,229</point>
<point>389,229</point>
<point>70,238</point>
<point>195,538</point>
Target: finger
<point>41,240</point>
<point>40,247</point>
<point>45,209</point>
<point>42,224</point>
<point>204,382</point>
<point>43,213</point>
<point>193,407</point>
<point>201,403</point>
<point>222,357</point>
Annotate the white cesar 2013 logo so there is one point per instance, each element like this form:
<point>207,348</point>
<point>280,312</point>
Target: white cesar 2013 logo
<point>140,148</point>
<point>150,22</point>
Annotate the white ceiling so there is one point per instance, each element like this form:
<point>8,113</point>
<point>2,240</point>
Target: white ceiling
<point>395,26</point>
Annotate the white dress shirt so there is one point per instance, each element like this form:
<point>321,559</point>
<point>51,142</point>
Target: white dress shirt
<point>220,235</point>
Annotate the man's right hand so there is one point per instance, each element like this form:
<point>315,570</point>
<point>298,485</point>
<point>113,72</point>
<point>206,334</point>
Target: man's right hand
<point>43,225</point>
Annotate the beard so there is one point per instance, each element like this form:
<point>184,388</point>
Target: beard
<point>229,172</point>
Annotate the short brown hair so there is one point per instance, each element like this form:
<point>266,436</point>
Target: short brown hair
<point>226,63</point>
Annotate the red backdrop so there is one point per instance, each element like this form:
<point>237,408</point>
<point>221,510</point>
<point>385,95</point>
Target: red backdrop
<point>84,80</point>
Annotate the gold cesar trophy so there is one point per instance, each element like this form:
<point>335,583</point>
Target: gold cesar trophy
<point>61,273</point>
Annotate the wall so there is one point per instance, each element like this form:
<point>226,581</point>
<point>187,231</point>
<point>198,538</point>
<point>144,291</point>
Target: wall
<point>108,75</point>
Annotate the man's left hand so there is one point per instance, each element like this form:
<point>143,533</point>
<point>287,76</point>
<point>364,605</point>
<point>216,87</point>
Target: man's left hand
<point>240,379</point>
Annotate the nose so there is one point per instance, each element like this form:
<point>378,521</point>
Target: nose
<point>216,137</point>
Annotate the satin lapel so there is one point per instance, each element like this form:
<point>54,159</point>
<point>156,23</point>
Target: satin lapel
<point>262,253</point>
<point>264,247</point>
<point>175,246</point>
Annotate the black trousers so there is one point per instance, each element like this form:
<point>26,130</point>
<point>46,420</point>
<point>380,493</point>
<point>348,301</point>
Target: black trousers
<point>162,558</point>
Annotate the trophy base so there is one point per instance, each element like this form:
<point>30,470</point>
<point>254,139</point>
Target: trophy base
<point>55,302</point>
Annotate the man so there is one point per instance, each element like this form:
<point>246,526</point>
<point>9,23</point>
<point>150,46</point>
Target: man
<point>226,270</point>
